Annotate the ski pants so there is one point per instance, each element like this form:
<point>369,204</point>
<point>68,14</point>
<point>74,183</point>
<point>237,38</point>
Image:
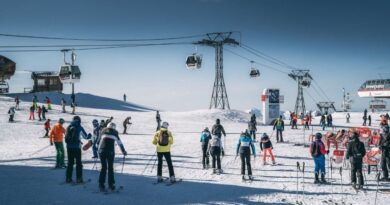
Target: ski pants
<point>11,118</point>
<point>279,135</point>
<point>385,163</point>
<point>63,108</point>
<point>356,171</point>
<point>269,150</point>
<point>319,164</point>
<point>47,132</point>
<point>39,116</point>
<point>44,115</point>
<point>32,116</point>
<point>216,155</point>
<point>60,153</point>
<point>253,134</point>
<point>94,149</point>
<point>246,160</point>
<point>124,128</point>
<point>167,156</point>
<point>205,155</point>
<point>107,162</point>
<point>49,106</point>
<point>74,155</point>
<point>307,125</point>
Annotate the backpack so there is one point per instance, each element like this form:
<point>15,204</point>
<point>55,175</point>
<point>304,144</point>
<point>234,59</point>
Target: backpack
<point>357,155</point>
<point>217,130</point>
<point>163,138</point>
<point>71,135</point>
<point>315,150</point>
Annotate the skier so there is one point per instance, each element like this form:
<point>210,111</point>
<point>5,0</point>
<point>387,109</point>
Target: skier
<point>369,120</point>
<point>279,126</point>
<point>32,110</point>
<point>56,137</point>
<point>329,119</point>
<point>384,146</point>
<point>253,117</point>
<point>125,123</point>
<point>108,138</point>
<point>158,120</point>
<point>218,131</point>
<point>11,113</point>
<point>73,145</point>
<point>215,148</point>
<point>63,104</point>
<point>35,101</point>
<point>163,140</point>
<point>124,97</point>
<point>244,147</point>
<point>348,116</point>
<point>317,151</point>
<point>302,118</point>
<point>39,112</point>
<point>266,146</point>
<point>95,138</point>
<point>252,129</point>
<point>356,152</point>
<point>307,120</point>
<point>47,127</point>
<point>48,102</point>
<point>294,122</point>
<point>44,111</point>
<point>17,101</point>
<point>73,106</point>
<point>323,122</point>
<point>365,117</point>
<point>204,139</point>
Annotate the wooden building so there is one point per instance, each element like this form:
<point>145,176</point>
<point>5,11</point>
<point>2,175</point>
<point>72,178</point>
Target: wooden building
<point>46,81</point>
<point>7,68</point>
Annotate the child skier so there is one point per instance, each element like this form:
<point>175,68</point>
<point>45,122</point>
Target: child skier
<point>215,148</point>
<point>107,154</point>
<point>266,147</point>
<point>39,112</point>
<point>317,151</point>
<point>56,137</point>
<point>32,110</point>
<point>204,139</point>
<point>11,113</point>
<point>47,127</point>
<point>244,147</point>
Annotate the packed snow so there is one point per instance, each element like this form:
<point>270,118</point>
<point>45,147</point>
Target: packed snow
<point>27,177</point>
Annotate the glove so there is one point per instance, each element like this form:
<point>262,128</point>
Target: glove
<point>51,143</point>
<point>124,153</point>
<point>272,147</point>
<point>89,136</point>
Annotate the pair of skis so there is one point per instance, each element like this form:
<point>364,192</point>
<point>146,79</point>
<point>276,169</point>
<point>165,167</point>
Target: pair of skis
<point>167,182</point>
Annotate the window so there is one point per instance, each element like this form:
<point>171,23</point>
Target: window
<point>41,82</point>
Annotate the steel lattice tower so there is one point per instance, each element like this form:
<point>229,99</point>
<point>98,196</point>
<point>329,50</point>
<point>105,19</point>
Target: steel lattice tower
<point>219,97</point>
<point>303,79</point>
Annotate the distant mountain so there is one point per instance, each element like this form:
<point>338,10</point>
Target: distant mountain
<point>84,100</point>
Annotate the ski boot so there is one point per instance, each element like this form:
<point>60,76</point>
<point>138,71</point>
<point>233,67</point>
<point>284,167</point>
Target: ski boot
<point>273,162</point>
<point>214,171</point>
<point>354,185</point>
<point>112,187</point>
<point>323,178</point>
<point>68,181</point>
<point>172,179</point>
<point>79,181</point>
<point>316,180</point>
<point>250,177</point>
<point>102,188</point>
<point>220,171</point>
<point>159,179</point>
<point>264,163</point>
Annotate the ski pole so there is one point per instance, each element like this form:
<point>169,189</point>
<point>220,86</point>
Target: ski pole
<point>154,164</point>
<point>341,184</point>
<point>40,150</point>
<point>147,165</point>
<point>94,164</point>
<point>303,180</point>
<point>123,163</point>
<point>298,168</point>
<point>377,186</point>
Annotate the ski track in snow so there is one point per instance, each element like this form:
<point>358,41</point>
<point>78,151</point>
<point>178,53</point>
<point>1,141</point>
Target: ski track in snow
<point>27,175</point>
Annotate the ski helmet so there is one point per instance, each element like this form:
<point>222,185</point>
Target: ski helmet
<point>165,125</point>
<point>265,135</point>
<point>61,121</point>
<point>111,125</point>
<point>95,122</point>
<point>206,129</point>
<point>318,135</point>
<point>76,118</point>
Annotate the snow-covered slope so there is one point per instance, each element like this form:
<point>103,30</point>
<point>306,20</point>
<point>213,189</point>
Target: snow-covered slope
<point>26,159</point>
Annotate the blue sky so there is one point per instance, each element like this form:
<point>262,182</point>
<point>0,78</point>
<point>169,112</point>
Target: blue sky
<point>343,43</point>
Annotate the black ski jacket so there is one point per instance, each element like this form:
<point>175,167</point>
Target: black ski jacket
<point>107,139</point>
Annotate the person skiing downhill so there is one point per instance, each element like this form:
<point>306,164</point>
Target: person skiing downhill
<point>384,146</point>
<point>215,148</point>
<point>204,139</point>
<point>218,130</point>
<point>158,120</point>
<point>279,126</point>
<point>56,137</point>
<point>244,146</point>
<point>47,128</point>
<point>125,123</point>
<point>11,113</point>
<point>356,151</point>
<point>317,151</point>
<point>109,136</point>
<point>266,147</point>
<point>95,138</point>
<point>163,140</point>
<point>73,145</point>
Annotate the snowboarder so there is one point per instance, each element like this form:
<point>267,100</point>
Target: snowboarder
<point>11,113</point>
<point>44,111</point>
<point>63,104</point>
<point>244,146</point>
<point>384,146</point>
<point>204,139</point>
<point>266,146</point>
<point>279,126</point>
<point>252,129</point>
<point>125,123</point>
<point>39,112</point>
<point>32,115</point>
<point>73,145</point>
<point>158,120</point>
<point>369,120</point>
<point>108,138</point>
<point>95,138</point>
<point>56,137</point>
<point>348,116</point>
<point>218,131</point>
<point>163,140</point>
<point>17,101</point>
<point>215,148</point>
<point>317,151</point>
<point>356,152</point>
<point>124,97</point>
<point>47,127</point>
<point>48,102</point>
